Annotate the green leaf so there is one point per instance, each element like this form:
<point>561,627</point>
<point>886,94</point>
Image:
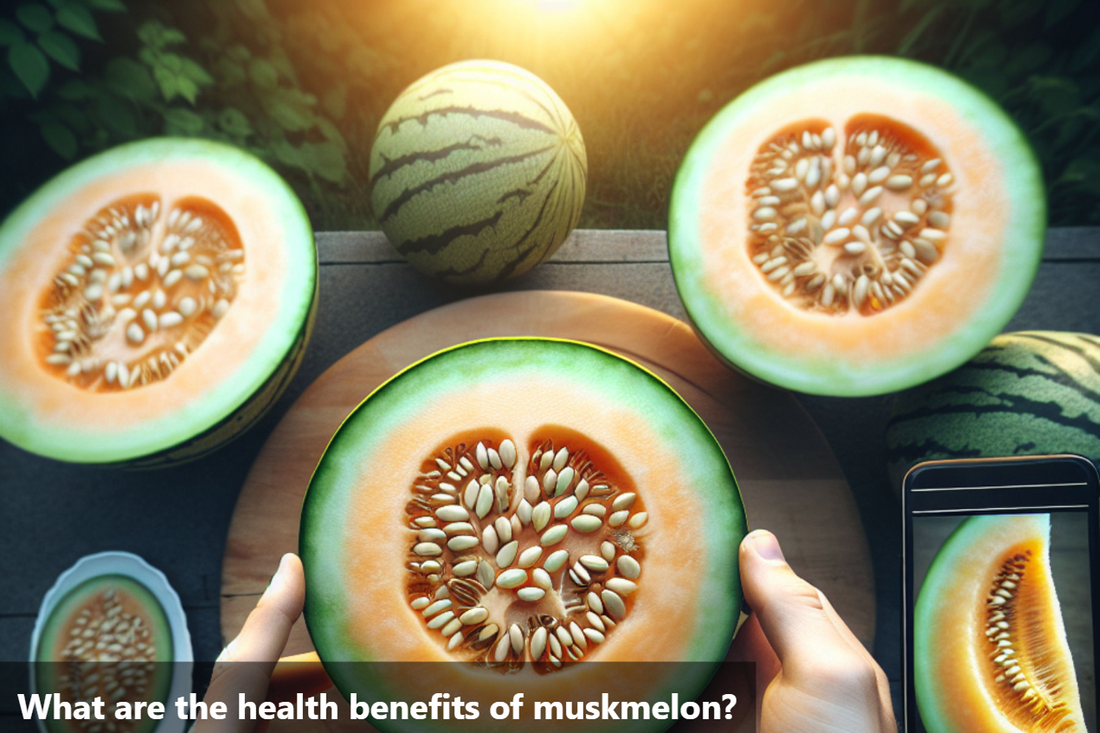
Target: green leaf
<point>188,89</point>
<point>30,66</point>
<point>168,83</point>
<point>171,61</point>
<point>79,20</point>
<point>332,133</point>
<point>263,74</point>
<point>117,115</point>
<point>326,160</point>
<point>182,121</point>
<point>287,154</point>
<point>195,73</point>
<point>75,90</point>
<point>128,78</point>
<point>10,33</point>
<point>107,6</point>
<point>290,118</point>
<point>234,122</point>
<point>35,17</point>
<point>61,49</point>
<point>60,139</point>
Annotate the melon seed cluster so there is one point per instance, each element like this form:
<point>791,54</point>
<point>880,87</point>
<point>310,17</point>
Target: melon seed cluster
<point>1035,694</point>
<point>515,562</point>
<point>110,654</point>
<point>139,293</point>
<point>855,226</point>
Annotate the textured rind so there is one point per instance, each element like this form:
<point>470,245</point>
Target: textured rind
<point>840,374</point>
<point>432,379</point>
<point>60,618</point>
<point>478,172</point>
<point>1027,393</point>
<point>238,403</point>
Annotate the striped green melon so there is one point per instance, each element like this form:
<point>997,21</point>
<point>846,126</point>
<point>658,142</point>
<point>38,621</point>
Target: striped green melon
<point>477,172</point>
<point>1027,393</point>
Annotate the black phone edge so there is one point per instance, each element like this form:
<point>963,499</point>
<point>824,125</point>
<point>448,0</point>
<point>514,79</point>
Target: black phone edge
<point>1091,473</point>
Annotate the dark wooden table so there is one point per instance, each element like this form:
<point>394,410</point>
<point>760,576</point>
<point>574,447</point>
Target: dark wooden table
<point>51,514</point>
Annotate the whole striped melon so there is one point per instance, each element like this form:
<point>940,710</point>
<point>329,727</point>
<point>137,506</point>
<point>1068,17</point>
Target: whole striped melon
<point>477,172</point>
<point>1027,393</point>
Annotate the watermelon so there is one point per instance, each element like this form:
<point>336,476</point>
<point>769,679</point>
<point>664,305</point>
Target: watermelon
<point>477,172</point>
<point>1027,393</point>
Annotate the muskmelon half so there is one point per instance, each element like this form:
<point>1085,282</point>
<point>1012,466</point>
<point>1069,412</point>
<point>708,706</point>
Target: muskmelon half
<point>157,298</point>
<point>107,638</point>
<point>989,644</point>
<point>856,226</point>
<point>527,506</point>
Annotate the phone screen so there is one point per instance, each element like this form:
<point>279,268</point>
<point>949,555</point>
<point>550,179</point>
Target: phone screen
<point>998,566</point>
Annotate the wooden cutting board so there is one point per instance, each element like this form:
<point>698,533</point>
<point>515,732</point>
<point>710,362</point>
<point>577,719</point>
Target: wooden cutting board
<point>790,481</point>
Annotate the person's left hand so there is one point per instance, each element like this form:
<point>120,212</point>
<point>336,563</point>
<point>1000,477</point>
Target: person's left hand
<point>260,643</point>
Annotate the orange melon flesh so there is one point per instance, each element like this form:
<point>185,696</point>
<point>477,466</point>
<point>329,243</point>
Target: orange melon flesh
<point>42,413</point>
<point>955,663</point>
<point>355,538</point>
<point>63,649</point>
<point>994,241</point>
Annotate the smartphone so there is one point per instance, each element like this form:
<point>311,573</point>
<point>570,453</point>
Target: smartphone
<point>988,544</point>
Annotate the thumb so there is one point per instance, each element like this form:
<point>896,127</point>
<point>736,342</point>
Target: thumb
<point>791,612</point>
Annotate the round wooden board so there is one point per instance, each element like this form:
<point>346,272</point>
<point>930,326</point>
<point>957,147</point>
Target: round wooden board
<point>789,479</point>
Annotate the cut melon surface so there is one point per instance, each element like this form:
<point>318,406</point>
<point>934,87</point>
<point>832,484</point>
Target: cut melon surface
<point>108,638</point>
<point>856,226</point>
<point>989,643</point>
<point>506,501</point>
<point>158,297</point>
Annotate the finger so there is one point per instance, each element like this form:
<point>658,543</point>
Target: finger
<point>790,610</point>
<point>246,664</point>
<point>882,683</point>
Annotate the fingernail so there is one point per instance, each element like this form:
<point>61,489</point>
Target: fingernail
<point>765,545</point>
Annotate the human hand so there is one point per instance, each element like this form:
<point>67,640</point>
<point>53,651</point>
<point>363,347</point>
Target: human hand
<point>822,679</point>
<point>261,641</point>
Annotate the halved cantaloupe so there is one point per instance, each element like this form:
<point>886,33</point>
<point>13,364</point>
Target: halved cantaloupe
<point>157,299</point>
<point>856,226</point>
<point>108,638</point>
<point>989,644</point>
<point>529,506</point>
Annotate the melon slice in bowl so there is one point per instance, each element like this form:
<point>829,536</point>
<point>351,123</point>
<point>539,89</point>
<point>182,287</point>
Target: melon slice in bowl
<point>856,226</point>
<point>529,506</point>
<point>159,297</point>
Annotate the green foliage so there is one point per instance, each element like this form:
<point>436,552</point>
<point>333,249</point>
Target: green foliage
<point>303,85</point>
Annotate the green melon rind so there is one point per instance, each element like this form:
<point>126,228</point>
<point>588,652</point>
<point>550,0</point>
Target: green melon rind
<point>470,220</point>
<point>18,423</point>
<point>957,551</point>
<point>1022,244</point>
<point>460,368</point>
<point>1027,393</point>
<point>70,603</point>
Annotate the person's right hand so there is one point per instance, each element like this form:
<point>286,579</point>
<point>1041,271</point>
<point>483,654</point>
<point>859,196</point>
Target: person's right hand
<point>824,680</point>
